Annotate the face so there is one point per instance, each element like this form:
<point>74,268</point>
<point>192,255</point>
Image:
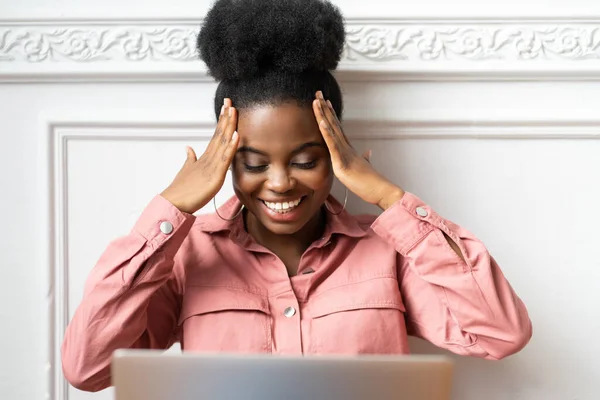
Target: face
<point>282,171</point>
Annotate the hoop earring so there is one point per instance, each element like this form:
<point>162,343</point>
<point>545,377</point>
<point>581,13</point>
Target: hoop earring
<point>226,219</point>
<point>343,207</point>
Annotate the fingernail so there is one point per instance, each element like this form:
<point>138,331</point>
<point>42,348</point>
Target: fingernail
<point>329,104</point>
<point>234,136</point>
<point>224,101</point>
<point>230,111</point>
<point>222,109</point>
<point>320,94</point>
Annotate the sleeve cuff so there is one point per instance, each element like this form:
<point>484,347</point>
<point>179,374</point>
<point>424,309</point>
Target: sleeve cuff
<point>406,223</point>
<point>161,220</point>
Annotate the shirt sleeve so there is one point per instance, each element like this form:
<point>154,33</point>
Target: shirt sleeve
<point>131,297</point>
<point>467,307</point>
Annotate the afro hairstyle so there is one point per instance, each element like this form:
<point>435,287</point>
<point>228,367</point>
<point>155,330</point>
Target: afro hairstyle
<point>266,52</point>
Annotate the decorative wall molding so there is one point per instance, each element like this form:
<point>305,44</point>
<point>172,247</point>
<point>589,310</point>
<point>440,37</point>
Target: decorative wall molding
<point>395,48</point>
<point>472,42</point>
<point>97,44</point>
<point>365,42</point>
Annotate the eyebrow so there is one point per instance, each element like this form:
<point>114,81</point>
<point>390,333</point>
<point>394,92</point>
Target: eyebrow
<point>249,149</point>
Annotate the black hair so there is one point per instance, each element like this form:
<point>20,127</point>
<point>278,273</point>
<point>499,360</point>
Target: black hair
<point>266,52</point>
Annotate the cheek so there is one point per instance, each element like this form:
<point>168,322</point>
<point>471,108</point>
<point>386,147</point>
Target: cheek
<point>318,179</point>
<point>245,183</point>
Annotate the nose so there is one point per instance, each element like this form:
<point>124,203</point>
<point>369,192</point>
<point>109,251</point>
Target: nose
<point>279,180</point>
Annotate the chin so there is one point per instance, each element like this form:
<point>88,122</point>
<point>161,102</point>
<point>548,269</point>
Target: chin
<point>282,229</point>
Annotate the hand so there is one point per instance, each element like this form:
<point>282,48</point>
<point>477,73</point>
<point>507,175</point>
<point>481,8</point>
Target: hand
<point>353,170</point>
<point>200,179</point>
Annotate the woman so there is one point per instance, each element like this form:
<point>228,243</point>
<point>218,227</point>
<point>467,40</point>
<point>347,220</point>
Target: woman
<point>282,268</point>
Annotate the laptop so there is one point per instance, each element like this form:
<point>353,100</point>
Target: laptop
<point>155,375</point>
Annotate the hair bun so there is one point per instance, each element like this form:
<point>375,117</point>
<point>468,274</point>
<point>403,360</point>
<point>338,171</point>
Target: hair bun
<point>241,39</point>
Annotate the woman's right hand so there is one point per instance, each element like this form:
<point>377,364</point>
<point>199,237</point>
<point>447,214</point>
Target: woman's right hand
<point>200,179</point>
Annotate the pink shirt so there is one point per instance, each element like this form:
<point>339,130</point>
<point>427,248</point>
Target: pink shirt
<point>361,289</point>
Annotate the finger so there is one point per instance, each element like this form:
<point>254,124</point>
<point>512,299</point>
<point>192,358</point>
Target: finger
<point>191,155</point>
<point>225,110</point>
<point>333,110</point>
<point>230,150</point>
<point>337,120</point>
<point>218,131</point>
<point>229,128</point>
<point>329,113</point>
<point>321,118</point>
<point>326,111</point>
<point>224,116</point>
<point>221,124</point>
<point>367,155</point>
<point>328,135</point>
<point>339,124</point>
<point>228,111</point>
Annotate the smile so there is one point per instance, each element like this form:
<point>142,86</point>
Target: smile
<point>283,207</point>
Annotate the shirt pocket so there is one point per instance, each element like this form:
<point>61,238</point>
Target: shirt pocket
<point>365,317</point>
<point>223,319</point>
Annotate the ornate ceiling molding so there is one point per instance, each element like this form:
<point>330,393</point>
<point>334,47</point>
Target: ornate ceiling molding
<point>398,47</point>
<point>97,44</point>
<point>435,43</point>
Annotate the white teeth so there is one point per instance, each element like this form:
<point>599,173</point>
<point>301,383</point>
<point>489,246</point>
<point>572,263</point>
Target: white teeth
<point>283,207</point>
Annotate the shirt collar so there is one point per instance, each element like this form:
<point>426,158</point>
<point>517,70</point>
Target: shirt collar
<point>343,224</point>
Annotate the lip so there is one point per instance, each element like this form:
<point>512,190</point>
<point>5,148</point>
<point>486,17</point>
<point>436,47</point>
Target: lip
<point>283,217</point>
<point>283,200</point>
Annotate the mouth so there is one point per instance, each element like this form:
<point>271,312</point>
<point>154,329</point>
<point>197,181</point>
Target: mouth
<point>284,207</point>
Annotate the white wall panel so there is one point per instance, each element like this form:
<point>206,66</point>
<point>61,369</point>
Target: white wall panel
<point>110,172</point>
<point>490,182</point>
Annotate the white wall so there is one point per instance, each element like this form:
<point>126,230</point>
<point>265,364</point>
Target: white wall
<point>489,112</point>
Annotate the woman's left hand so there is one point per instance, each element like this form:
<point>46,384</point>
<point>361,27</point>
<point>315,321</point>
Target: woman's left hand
<point>353,170</point>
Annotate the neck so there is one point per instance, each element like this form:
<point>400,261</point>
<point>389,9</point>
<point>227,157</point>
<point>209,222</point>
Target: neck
<point>297,242</point>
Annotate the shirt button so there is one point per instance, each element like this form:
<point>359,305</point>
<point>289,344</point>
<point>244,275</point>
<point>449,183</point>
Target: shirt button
<point>289,312</point>
<point>166,227</point>
<point>421,212</point>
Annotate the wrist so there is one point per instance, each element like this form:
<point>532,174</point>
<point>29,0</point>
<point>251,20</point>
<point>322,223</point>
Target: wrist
<point>390,197</point>
<point>178,202</point>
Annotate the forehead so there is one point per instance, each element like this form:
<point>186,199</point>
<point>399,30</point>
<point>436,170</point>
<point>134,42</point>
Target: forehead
<point>278,128</point>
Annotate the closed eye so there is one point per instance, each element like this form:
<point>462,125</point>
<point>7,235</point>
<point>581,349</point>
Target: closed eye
<point>308,165</point>
<point>262,168</point>
<point>255,168</point>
